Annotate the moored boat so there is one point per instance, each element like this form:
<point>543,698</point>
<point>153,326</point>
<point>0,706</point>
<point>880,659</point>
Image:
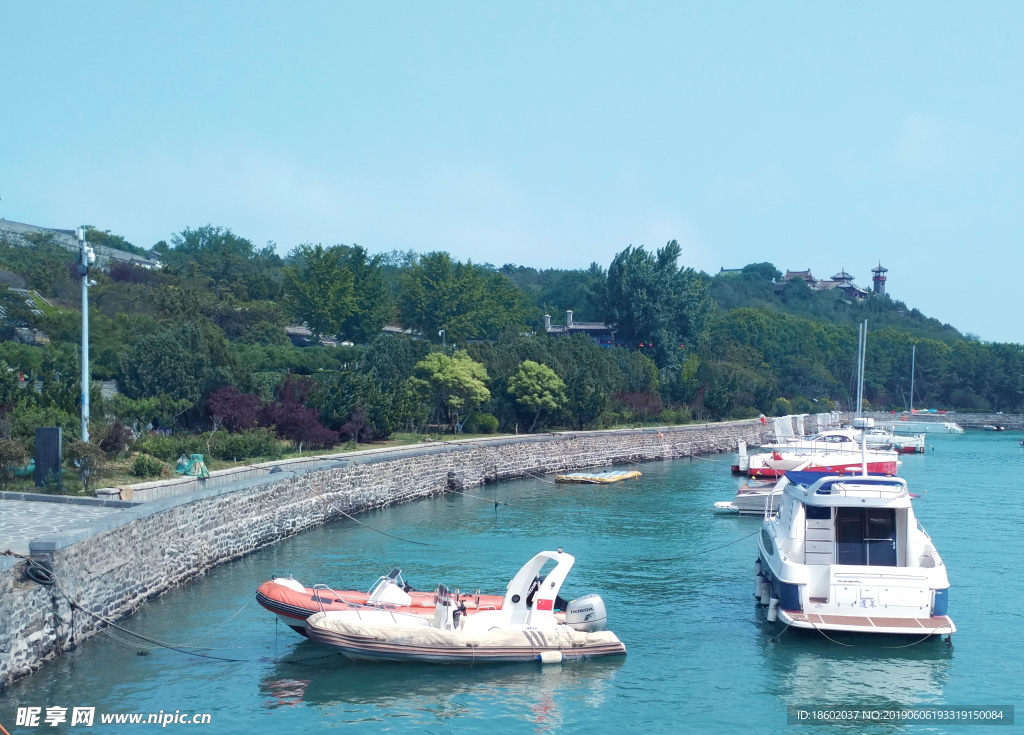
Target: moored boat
<point>847,554</point>
<point>843,461</point>
<point>751,498</point>
<point>528,626</point>
<point>293,603</point>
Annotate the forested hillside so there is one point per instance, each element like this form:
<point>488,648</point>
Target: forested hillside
<point>200,344</point>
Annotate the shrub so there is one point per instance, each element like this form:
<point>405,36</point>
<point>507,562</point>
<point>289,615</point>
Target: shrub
<point>644,405</point>
<point>801,405</point>
<point>87,459</point>
<point>13,455</point>
<point>236,411</point>
<point>117,439</point>
<point>246,445</point>
<point>481,423</point>
<point>673,417</point>
<point>145,466</point>
<point>782,407</point>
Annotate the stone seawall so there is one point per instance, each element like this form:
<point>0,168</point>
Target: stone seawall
<point>114,566</point>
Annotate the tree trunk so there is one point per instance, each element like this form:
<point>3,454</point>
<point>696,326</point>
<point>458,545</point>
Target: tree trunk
<point>537,416</point>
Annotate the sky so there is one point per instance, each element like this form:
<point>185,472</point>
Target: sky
<point>810,135</point>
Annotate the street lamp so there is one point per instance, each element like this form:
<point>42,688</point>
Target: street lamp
<point>86,258</point>
<point>440,334</point>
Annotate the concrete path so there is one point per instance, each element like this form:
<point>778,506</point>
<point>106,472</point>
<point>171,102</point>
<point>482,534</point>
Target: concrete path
<point>22,520</point>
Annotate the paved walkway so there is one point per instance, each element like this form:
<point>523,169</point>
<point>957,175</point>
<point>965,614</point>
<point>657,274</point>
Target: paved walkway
<point>23,520</point>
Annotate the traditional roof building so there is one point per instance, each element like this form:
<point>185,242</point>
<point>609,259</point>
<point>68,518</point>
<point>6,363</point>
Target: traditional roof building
<point>601,333</point>
<point>841,281</point>
<point>878,280</point>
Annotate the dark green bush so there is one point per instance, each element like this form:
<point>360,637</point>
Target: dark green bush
<point>145,466</point>
<point>481,423</point>
<point>220,444</point>
<point>246,445</point>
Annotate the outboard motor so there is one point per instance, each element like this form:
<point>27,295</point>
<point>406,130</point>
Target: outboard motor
<point>587,614</point>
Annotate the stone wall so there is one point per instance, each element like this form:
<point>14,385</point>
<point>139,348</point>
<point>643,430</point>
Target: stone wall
<point>113,567</point>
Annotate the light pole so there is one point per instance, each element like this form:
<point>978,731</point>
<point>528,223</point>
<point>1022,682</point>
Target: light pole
<point>440,334</point>
<point>86,258</point>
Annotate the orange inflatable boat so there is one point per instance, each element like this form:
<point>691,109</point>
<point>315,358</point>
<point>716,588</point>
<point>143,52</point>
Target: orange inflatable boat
<point>293,603</point>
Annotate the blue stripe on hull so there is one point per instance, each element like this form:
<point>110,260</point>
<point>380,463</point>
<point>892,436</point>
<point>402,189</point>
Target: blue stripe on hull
<point>788,594</point>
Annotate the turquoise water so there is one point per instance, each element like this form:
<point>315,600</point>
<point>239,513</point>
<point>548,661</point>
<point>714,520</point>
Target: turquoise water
<point>701,656</point>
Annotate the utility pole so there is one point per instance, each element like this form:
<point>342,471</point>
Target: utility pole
<point>86,258</point>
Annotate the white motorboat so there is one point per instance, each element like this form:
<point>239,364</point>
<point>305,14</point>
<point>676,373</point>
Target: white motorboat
<point>846,460</point>
<point>922,427</point>
<point>751,499</point>
<point>845,439</point>
<point>529,626</point>
<point>847,554</point>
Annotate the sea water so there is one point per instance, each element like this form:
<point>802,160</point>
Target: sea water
<point>678,583</point>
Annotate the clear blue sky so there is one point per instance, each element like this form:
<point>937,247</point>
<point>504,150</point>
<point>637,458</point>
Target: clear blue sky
<point>819,135</point>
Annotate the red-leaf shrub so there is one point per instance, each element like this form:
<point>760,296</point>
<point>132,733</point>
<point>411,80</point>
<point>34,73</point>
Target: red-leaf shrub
<point>293,419</point>
<point>643,405</point>
<point>235,410</point>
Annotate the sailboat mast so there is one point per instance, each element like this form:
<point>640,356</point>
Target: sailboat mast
<point>856,390</point>
<point>862,351</point>
<point>913,357</point>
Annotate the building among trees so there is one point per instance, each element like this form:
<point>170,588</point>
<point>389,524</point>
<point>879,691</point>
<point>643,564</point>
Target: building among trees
<point>601,333</point>
<point>841,281</point>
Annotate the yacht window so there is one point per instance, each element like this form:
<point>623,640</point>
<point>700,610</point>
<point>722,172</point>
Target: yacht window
<point>866,536</point>
<point>818,513</point>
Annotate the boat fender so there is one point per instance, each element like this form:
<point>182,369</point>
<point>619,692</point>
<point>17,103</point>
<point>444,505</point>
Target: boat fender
<point>757,565</point>
<point>550,657</point>
<point>773,610</point>
<point>766,594</point>
<point>758,581</point>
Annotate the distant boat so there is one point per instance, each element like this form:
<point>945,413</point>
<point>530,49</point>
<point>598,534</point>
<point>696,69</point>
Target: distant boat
<point>922,427</point>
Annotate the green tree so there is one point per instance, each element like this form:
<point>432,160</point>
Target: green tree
<point>320,288</point>
<point>538,389</point>
<point>650,299</point>
<point>463,300</point>
<point>372,308</point>
<point>171,362</point>
<point>454,385</point>
<point>231,263</point>
<point>591,375</point>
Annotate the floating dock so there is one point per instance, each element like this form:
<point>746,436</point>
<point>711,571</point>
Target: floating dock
<point>597,478</point>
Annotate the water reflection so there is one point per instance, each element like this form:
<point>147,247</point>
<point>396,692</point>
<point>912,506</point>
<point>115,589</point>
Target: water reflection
<point>356,691</point>
<point>811,670</point>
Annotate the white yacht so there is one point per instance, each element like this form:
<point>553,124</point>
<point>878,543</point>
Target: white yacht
<point>923,427</point>
<point>837,440</point>
<point>847,554</point>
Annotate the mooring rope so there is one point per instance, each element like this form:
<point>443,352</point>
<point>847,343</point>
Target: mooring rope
<point>853,645</point>
<point>705,551</point>
<point>155,641</point>
<point>385,533</point>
